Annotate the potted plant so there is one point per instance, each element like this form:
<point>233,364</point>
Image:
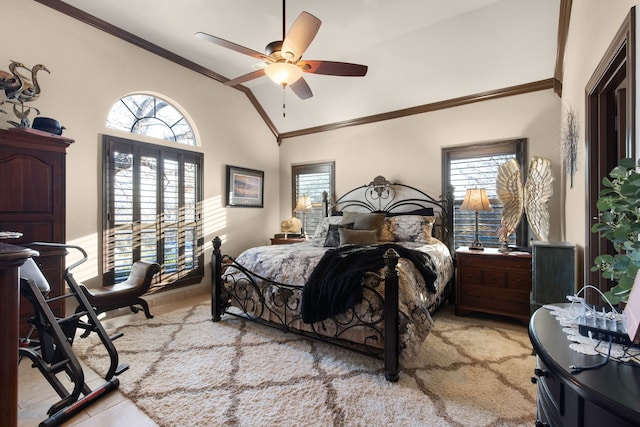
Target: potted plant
<point>619,222</point>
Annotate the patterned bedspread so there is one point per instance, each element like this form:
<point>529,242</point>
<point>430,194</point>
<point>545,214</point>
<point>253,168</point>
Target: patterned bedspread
<point>293,264</point>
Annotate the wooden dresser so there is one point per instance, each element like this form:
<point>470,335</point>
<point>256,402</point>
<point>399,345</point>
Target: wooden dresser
<point>493,282</point>
<point>32,201</point>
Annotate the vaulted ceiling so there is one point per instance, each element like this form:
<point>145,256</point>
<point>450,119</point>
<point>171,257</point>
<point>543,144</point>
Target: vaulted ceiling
<point>421,54</point>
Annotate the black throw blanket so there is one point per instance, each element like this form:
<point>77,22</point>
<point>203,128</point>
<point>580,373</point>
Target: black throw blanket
<point>335,285</point>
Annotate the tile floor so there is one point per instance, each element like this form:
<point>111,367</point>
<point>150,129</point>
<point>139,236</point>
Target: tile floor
<point>35,395</point>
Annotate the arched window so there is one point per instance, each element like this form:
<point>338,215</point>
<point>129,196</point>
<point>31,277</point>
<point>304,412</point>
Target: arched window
<point>152,194</point>
<point>151,116</point>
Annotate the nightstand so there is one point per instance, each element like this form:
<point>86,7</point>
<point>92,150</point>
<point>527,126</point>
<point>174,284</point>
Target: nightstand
<point>493,282</point>
<point>286,240</point>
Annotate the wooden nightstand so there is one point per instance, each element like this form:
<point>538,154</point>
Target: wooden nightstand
<point>286,240</point>
<point>493,282</point>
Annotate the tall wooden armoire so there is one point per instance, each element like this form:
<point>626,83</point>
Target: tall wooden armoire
<point>32,202</point>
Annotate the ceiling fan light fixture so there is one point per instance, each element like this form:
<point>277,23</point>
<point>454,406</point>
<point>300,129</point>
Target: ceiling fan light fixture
<point>283,73</point>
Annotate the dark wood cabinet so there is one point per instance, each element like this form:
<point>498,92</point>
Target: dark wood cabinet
<point>32,201</point>
<point>607,396</point>
<point>493,282</point>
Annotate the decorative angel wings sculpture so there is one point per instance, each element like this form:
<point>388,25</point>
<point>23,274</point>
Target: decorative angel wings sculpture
<point>532,197</point>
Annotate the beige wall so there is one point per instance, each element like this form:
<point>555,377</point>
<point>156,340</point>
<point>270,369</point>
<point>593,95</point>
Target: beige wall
<point>408,150</point>
<point>90,71</point>
<point>594,24</point>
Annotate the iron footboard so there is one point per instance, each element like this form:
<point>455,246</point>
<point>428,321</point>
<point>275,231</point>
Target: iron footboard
<point>240,292</point>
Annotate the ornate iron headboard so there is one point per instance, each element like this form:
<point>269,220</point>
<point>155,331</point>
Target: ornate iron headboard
<point>381,195</point>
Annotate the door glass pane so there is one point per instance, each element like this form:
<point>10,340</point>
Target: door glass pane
<point>148,208</point>
<point>123,214</point>
<point>190,214</point>
<point>171,216</point>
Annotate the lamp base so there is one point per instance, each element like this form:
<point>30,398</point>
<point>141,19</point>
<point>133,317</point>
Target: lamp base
<point>476,246</point>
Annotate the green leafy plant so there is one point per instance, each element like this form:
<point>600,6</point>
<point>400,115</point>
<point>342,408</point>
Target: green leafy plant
<point>619,222</point>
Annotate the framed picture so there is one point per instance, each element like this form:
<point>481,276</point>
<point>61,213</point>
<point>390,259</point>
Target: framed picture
<point>245,187</point>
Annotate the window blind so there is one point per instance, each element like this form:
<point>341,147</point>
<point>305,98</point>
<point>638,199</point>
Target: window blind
<point>476,166</point>
<point>312,180</point>
<point>153,199</point>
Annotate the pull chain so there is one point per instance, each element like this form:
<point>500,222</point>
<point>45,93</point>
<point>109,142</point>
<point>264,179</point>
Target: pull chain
<point>284,114</point>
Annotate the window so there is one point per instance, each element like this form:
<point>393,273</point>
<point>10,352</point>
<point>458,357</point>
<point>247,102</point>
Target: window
<point>312,180</point>
<point>152,210</point>
<point>151,116</point>
<point>477,166</point>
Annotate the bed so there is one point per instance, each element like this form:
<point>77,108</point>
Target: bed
<point>376,268</point>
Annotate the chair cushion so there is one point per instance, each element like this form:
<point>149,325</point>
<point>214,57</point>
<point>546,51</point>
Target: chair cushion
<point>30,271</point>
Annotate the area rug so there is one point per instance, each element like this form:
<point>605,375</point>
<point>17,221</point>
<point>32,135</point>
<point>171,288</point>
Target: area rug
<point>189,371</point>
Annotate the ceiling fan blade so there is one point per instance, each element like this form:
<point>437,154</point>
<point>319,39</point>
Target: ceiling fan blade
<point>333,68</point>
<point>301,89</point>
<point>300,36</point>
<point>245,78</point>
<point>232,46</point>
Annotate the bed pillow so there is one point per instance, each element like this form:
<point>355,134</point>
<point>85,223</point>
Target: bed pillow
<point>333,234</point>
<point>363,220</point>
<point>407,228</point>
<point>357,237</point>
<point>323,228</point>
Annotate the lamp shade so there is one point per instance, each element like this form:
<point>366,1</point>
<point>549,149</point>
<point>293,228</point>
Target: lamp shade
<point>477,200</point>
<point>283,73</point>
<point>303,205</point>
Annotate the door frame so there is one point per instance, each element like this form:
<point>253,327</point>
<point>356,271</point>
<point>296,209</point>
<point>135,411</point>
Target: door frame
<point>603,98</point>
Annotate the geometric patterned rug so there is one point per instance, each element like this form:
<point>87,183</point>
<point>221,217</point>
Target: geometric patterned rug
<point>186,370</point>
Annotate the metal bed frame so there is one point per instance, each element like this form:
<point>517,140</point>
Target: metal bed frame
<point>379,195</point>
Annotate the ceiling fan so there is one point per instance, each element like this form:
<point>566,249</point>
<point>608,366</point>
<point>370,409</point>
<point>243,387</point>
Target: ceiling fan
<point>283,63</point>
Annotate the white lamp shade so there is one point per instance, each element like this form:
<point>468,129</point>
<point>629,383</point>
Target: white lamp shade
<point>303,205</point>
<point>283,73</point>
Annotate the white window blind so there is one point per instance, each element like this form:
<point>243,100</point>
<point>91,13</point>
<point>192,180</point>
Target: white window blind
<point>476,166</point>
<point>312,180</point>
<point>477,172</point>
<point>152,205</point>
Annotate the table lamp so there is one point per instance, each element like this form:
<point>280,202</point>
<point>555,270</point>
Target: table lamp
<point>304,206</point>
<point>476,200</point>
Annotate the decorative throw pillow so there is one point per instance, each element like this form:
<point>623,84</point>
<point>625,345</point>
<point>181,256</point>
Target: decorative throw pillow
<point>363,220</point>
<point>333,235</point>
<point>387,230</point>
<point>407,228</point>
<point>427,229</point>
<point>322,228</point>
<point>357,237</point>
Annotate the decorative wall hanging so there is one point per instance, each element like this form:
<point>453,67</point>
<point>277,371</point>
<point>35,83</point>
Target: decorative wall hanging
<point>569,139</point>
<point>245,187</point>
<point>531,198</point>
<point>20,88</point>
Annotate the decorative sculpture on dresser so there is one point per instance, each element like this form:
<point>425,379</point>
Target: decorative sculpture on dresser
<point>531,198</point>
<point>19,89</point>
